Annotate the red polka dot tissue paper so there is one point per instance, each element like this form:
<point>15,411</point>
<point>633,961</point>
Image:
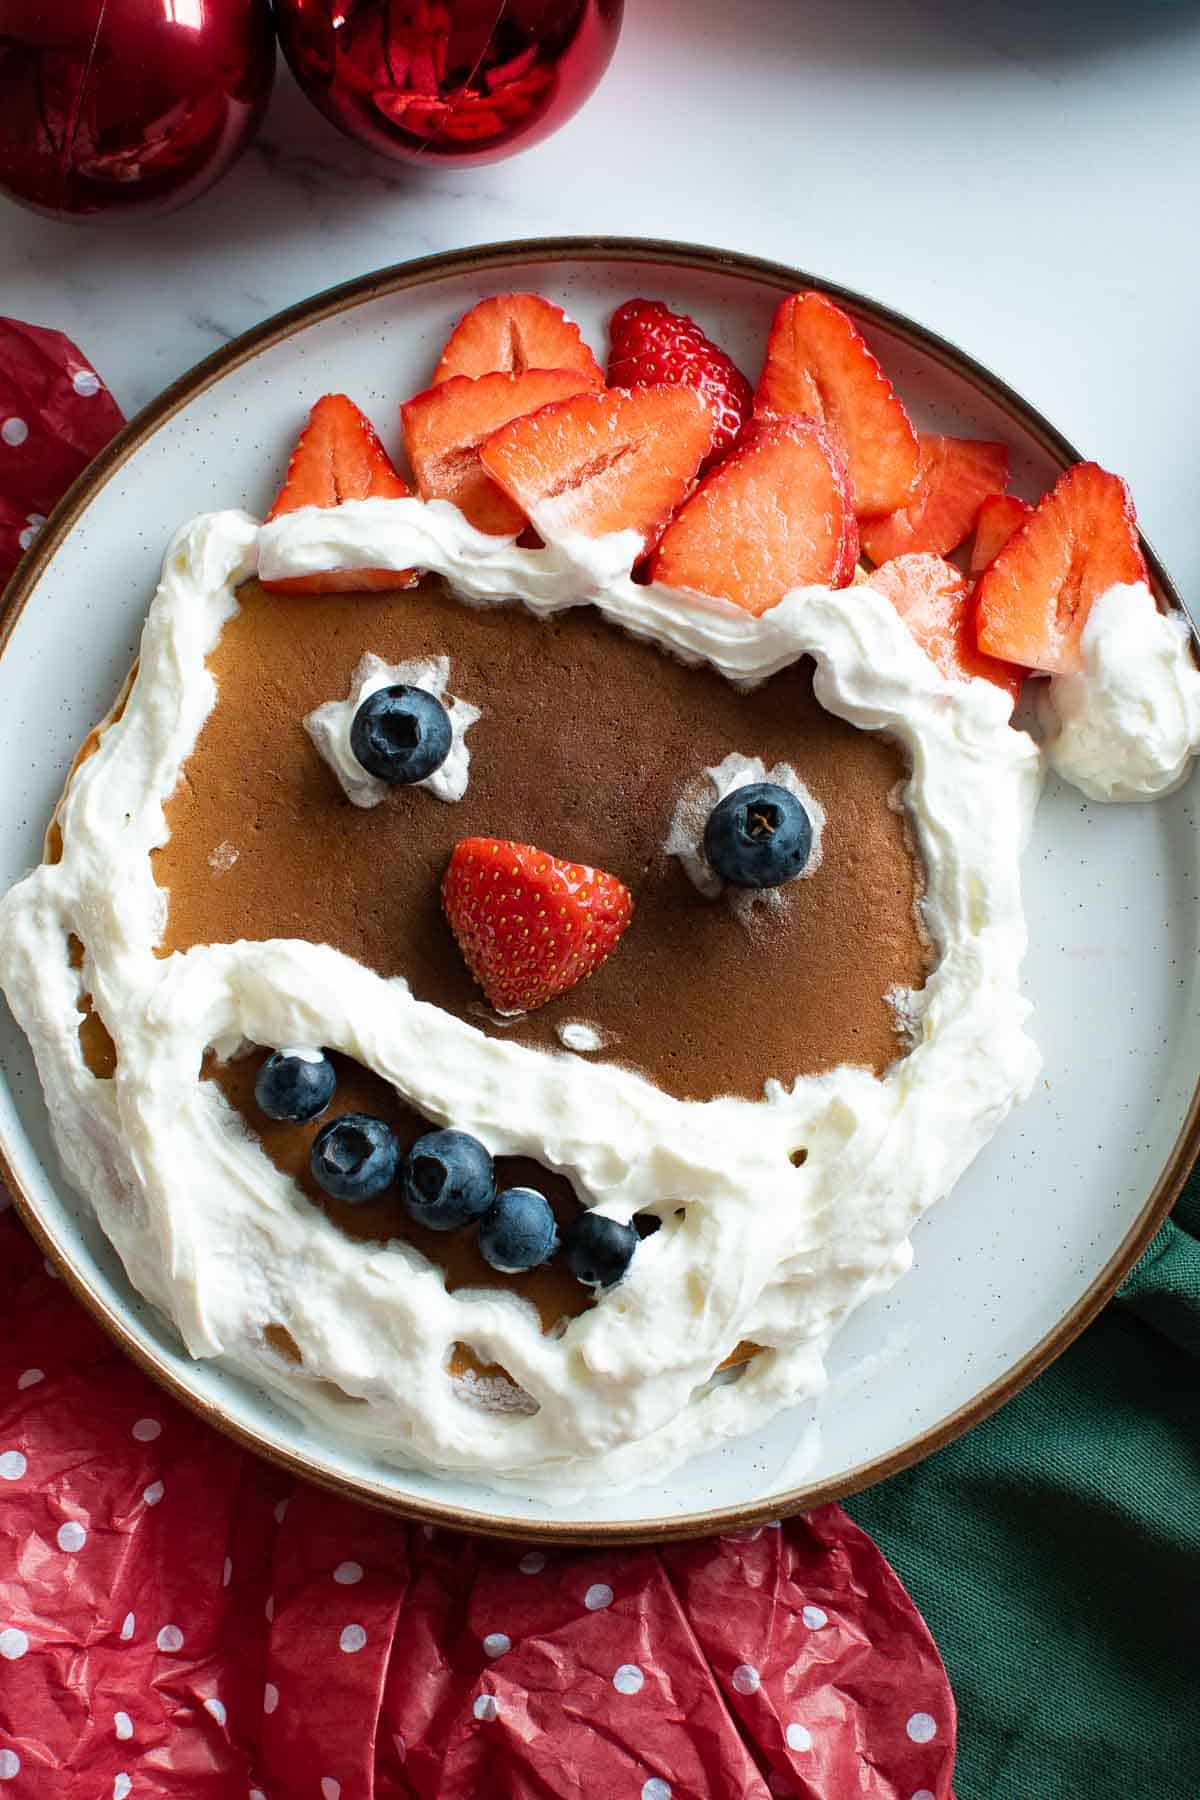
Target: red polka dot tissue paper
<point>180,1621</point>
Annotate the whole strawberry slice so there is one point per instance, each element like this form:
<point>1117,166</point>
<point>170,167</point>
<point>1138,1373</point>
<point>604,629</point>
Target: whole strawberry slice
<point>338,456</point>
<point>956,477</point>
<point>445,426</point>
<point>818,365</point>
<point>618,460</point>
<point>1080,540</point>
<point>512,333</point>
<point>999,516</point>
<point>775,515</point>
<point>649,344</point>
<point>530,925</point>
<point>937,603</point>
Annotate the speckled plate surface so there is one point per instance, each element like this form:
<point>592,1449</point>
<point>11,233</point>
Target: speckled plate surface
<point>1042,1227</point>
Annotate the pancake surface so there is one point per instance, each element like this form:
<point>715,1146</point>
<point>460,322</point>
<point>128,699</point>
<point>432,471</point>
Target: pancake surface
<point>586,740</point>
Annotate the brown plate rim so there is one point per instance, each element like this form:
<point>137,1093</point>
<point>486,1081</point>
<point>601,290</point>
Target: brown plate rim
<point>490,259</point>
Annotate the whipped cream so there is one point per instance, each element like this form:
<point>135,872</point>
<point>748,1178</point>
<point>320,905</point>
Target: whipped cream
<point>329,728</point>
<point>685,835</point>
<point>1127,726</point>
<point>755,1243</point>
<point>576,1034</point>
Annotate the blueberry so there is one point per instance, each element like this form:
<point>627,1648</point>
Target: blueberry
<point>354,1157</point>
<point>758,836</point>
<point>518,1232</point>
<point>598,1250</point>
<point>401,734</point>
<point>295,1084</point>
<point>447,1180</point>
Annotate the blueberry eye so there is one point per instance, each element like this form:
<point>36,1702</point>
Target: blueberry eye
<point>758,836</point>
<point>401,734</point>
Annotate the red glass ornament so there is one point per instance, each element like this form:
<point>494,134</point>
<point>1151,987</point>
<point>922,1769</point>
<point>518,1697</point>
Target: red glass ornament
<point>127,105</point>
<point>448,80</point>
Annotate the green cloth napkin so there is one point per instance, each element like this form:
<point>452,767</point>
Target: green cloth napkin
<point>1055,1553</point>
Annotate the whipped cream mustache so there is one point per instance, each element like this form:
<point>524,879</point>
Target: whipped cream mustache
<point>213,1234</point>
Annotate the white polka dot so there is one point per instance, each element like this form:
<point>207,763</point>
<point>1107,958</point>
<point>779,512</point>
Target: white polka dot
<point>227,1572</point>
<point>496,1643</point>
<point>330,1789</point>
<point>924,1794</point>
<point>13,1643</point>
<point>532,1563</point>
<point>799,1737</point>
<point>814,1618</point>
<point>85,383</point>
<point>598,1595</point>
<point>746,1678</point>
<point>401,1746</point>
<point>629,1679</point>
<point>14,432</point>
<point>216,1708</point>
<point>10,1765</point>
<point>281,1507</point>
<point>121,1786</point>
<point>774,1524</point>
<point>921,1728</point>
<point>170,1639</point>
<point>30,1378</point>
<point>269,1609</point>
<point>123,1726</point>
<point>12,1465</point>
<point>27,535</point>
<point>353,1638</point>
<point>127,1627</point>
<point>347,1573</point>
<point>154,1493</point>
<point>71,1536</point>
<point>270,1697</point>
<point>146,1430</point>
<point>654,1789</point>
<point>486,1707</point>
<point>50,1268</point>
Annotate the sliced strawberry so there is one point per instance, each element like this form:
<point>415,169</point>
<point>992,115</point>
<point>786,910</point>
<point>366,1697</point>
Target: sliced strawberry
<point>512,333</point>
<point>620,460</point>
<point>338,456</point>
<point>957,475</point>
<point>775,515</point>
<point>818,365</point>
<point>530,925</point>
<point>936,602</point>
<point>649,344</point>
<point>445,426</point>
<point>1080,540</point>
<point>999,516</point>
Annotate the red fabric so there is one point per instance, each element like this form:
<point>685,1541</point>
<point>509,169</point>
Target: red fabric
<point>180,1621</point>
<point>55,414</point>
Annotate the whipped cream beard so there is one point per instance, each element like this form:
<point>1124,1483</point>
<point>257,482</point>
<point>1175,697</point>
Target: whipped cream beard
<point>756,1243</point>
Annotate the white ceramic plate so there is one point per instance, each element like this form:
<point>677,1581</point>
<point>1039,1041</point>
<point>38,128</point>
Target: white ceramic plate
<point>1039,1231</point>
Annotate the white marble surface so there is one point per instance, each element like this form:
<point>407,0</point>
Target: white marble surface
<point>1020,177</point>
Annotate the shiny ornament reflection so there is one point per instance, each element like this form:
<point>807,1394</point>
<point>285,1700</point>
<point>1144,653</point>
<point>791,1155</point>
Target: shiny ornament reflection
<point>127,105</point>
<point>448,80</point>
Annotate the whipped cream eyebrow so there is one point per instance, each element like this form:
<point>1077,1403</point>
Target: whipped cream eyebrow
<point>760,1244</point>
<point>329,728</point>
